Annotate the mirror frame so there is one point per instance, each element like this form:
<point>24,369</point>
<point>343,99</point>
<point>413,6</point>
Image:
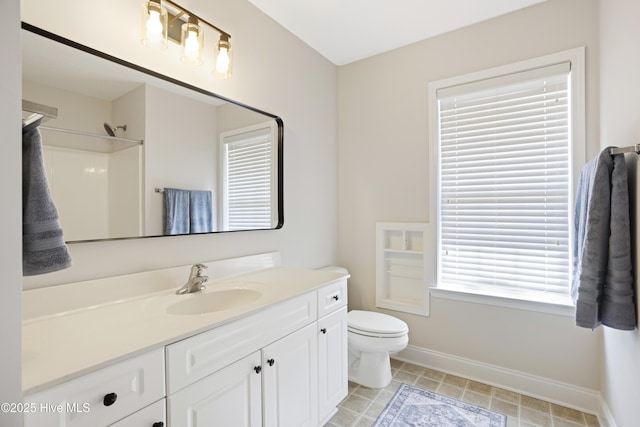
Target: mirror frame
<point>279,123</point>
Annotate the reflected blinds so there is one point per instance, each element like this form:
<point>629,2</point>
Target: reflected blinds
<point>504,185</point>
<point>248,180</point>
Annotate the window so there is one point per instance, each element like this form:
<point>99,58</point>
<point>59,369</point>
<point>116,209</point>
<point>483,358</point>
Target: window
<point>506,144</point>
<point>248,182</point>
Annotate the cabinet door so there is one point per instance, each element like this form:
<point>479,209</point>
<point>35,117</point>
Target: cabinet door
<point>230,397</point>
<point>332,361</point>
<point>290,375</point>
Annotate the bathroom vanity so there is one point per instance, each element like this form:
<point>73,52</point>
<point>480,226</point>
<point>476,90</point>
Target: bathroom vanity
<point>263,347</point>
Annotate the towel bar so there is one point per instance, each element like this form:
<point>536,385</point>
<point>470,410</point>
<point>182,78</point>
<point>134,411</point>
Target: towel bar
<point>622,150</point>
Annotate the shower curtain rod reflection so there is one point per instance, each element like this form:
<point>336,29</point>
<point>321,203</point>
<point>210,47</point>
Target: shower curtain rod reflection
<point>93,135</point>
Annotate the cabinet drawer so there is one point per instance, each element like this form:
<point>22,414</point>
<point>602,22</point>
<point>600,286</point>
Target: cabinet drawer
<point>332,297</point>
<point>152,416</point>
<point>197,357</point>
<point>102,397</point>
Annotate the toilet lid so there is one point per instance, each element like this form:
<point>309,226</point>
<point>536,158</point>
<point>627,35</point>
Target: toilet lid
<point>376,324</point>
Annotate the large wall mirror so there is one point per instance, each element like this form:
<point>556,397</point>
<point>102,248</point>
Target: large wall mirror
<point>131,153</point>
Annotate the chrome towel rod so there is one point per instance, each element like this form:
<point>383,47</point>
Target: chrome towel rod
<point>622,150</point>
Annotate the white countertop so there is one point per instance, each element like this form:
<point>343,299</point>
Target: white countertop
<point>61,346</point>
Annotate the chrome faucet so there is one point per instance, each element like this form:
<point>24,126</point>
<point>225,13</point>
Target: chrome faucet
<point>195,282</point>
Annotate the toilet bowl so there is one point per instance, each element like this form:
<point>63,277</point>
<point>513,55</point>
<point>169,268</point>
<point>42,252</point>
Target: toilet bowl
<point>372,337</point>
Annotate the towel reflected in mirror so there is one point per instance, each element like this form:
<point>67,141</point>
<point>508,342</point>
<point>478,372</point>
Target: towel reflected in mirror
<point>187,211</point>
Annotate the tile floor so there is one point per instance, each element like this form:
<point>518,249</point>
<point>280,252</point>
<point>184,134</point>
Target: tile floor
<point>363,405</point>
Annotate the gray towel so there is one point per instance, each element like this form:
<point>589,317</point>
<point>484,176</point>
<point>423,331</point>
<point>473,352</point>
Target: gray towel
<point>602,282</point>
<point>43,246</point>
<point>200,211</point>
<point>618,308</point>
<point>176,211</point>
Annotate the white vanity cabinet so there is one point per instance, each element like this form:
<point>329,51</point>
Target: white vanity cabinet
<point>275,368</point>
<point>218,357</point>
<point>275,386</point>
<point>281,364</point>
<point>103,397</point>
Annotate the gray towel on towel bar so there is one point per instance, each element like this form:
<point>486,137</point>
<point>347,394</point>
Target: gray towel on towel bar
<point>200,211</point>
<point>43,246</point>
<point>187,211</point>
<point>602,283</point>
<point>618,308</point>
<point>176,211</point>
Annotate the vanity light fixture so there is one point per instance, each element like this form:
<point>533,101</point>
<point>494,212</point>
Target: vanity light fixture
<point>164,20</point>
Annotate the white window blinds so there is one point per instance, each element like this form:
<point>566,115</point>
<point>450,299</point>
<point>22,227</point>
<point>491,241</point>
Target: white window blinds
<point>504,165</point>
<point>248,180</point>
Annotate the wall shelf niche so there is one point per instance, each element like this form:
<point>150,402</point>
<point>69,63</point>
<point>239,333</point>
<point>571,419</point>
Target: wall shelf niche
<point>401,267</point>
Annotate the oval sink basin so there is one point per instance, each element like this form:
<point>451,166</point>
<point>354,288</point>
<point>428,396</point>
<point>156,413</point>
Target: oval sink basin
<point>214,301</point>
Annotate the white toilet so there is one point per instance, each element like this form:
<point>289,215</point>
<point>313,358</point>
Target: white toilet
<point>372,338</point>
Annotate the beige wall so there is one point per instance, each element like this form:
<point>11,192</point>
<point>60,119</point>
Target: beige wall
<point>384,176</point>
<point>620,125</point>
<point>11,213</point>
<point>273,71</point>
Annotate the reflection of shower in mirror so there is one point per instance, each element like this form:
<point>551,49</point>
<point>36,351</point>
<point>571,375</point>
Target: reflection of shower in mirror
<point>111,130</point>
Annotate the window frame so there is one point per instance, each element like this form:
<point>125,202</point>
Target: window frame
<point>577,149</point>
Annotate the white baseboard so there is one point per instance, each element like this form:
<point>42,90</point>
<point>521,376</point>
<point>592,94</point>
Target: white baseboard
<point>606,417</point>
<point>580,398</point>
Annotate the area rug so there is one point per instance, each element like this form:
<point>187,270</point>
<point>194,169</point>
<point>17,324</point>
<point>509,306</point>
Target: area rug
<point>413,406</point>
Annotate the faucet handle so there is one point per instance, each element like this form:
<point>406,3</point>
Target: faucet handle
<point>196,269</point>
<point>201,280</point>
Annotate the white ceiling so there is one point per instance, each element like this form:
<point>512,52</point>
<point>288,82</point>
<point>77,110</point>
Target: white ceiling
<point>345,31</point>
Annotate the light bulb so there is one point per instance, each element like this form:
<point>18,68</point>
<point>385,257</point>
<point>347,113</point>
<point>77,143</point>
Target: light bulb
<point>154,26</point>
<point>192,45</point>
<point>192,42</point>
<point>222,63</point>
<point>223,57</point>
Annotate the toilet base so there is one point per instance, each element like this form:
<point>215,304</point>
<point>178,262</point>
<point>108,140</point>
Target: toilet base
<point>372,370</point>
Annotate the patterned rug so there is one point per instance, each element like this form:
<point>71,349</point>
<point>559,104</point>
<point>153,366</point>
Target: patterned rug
<point>413,406</point>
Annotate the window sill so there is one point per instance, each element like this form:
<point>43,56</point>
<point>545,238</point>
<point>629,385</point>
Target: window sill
<point>560,308</point>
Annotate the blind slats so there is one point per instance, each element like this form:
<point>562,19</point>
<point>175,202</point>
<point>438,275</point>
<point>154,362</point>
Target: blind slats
<point>248,180</point>
<point>504,184</point>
